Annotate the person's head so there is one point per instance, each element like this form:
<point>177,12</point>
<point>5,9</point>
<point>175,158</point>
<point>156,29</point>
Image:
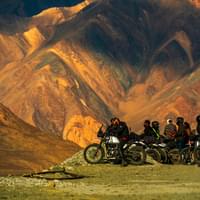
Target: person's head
<point>155,124</point>
<point>147,123</point>
<point>198,119</point>
<point>169,121</point>
<point>112,121</point>
<point>179,120</point>
<point>116,121</point>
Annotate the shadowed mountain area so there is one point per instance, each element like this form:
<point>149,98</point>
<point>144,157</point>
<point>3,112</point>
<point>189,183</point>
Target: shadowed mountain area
<point>26,8</point>
<point>67,70</point>
<point>24,148</point>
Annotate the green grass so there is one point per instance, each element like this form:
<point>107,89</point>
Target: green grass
<point>149,182</point>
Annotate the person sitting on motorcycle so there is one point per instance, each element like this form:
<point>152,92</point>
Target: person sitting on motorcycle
<point>108,131</point>
<point>156,129</point>
<point>170,130</point>
<point>148,135</point>
<point>120,130</point>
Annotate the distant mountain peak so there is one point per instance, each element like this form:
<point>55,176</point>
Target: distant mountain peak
<point>26,8</point>
<point>195,3</point>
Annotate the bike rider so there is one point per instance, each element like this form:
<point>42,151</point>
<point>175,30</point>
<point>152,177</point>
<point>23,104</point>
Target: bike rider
<point>120,130</point>
<point>108,131</point>
<point>156,129</point>
<point>148,135</point>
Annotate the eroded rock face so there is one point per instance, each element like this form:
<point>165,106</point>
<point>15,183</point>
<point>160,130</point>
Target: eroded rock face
<point>81,130</point>
<point>83,64</point>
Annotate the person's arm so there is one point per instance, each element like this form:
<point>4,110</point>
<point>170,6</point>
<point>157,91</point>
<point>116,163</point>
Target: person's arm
<point>165,131</point>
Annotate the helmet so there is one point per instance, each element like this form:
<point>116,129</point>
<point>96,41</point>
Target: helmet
<point>147,121</point>
<point>179,120</point>
<point>169,121</point>
<point>198,118</point>
<point>155,124</point>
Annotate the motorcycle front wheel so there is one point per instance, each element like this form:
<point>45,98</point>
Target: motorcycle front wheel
<point>93,154</point>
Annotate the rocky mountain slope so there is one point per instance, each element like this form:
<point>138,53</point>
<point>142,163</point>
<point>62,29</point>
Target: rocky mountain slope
<point>24,148</point>
<point>70,69</point>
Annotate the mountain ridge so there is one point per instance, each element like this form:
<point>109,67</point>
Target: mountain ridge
<point>25,148</point>
<point>107,60</point>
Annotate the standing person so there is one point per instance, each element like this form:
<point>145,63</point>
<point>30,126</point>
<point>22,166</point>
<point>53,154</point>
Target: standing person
<point>121,131</point>
<point>187,133</point>
<point>198,125</point>
<point>180,133</point>
<point>170,130</point>
<point>156,129</point>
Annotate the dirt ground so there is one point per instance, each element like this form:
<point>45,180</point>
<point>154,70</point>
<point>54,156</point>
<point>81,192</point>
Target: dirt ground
<point>148,182</point>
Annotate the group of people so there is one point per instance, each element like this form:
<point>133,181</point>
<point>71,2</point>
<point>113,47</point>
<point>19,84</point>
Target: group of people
<point>179,132</point>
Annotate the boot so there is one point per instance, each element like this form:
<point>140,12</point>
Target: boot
<point>124,163</point>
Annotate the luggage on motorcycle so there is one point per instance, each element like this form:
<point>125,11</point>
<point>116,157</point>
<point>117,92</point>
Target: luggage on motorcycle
<point>149,140</point>
<point>134,137</point>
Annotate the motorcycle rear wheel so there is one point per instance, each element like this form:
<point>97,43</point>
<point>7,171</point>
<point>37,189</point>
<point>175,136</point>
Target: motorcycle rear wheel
<point>174,156</point>
<point>154,153</point>
<point>93,154</point>
<point>136,155</point>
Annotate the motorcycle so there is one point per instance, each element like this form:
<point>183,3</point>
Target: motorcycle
<point>150,149</point>
<point>161,152</point>
<point>108,151</point>
<point>191,153</point>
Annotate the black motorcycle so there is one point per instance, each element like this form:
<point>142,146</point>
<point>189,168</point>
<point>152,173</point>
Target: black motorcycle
<point>161,151</point>
<point>191,153</point>
<point>108,151</point>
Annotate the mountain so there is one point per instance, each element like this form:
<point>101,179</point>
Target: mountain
<point>24,148</point>
<point>71,69</point>
<point>28,8</point>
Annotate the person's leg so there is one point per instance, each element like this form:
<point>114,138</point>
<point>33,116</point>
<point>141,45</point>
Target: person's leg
<point>121,153</point>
